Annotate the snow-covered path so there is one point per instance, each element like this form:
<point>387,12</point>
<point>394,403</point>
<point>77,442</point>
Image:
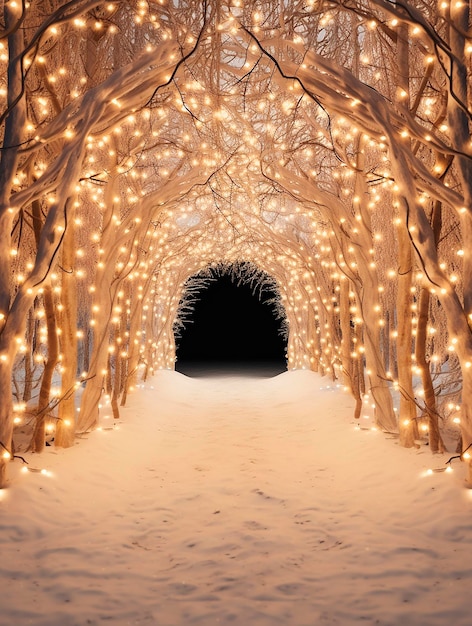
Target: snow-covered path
<point>236,501</point>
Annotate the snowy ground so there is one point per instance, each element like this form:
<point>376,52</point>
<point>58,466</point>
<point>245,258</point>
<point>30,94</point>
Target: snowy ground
<point>251,502</point>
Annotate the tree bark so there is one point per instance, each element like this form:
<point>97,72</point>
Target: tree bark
<point>349,363</point>
<point>435,440</point>
<point>38,440</point>
<point>29,357</point>
<point>408,427</point>
<point>115,372</point>
<point>459,130</point>
<point>65,429</point>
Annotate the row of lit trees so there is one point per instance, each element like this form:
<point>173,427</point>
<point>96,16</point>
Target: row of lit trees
<point>327,144</point>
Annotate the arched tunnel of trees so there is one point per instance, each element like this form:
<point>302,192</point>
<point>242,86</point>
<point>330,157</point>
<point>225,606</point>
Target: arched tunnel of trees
<point>325,144</point>
<point>232,324</point>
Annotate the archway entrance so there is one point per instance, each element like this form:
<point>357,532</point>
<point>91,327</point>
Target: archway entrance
<point>234,327</point>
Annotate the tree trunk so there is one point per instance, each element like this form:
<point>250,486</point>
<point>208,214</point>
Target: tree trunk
<point>367,296</point>
<point>435,439</point>
<point>458,104</point>
<point>466,423</point>
<point>349,363</point>
<point>115,374</point>
<point>65,429</point>
<point>407,424</point>
<point>13,137</point>
<point>28,369</point>
<point>38,440</point>
<point>104,296</point>
<point>6,414</point>
<point>134,321</point>
<point>366,287</point>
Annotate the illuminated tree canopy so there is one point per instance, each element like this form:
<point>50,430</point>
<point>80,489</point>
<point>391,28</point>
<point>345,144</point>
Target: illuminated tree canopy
<point>325,144</point>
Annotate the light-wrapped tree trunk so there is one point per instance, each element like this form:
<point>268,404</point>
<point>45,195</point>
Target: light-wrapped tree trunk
<point>65,428</point>
<point>42,410</point>
<point>407,425</point>
<point>13,137</point>
<point>407,419</point>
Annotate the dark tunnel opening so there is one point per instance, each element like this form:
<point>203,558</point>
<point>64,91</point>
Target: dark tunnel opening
<point>233,328</point>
